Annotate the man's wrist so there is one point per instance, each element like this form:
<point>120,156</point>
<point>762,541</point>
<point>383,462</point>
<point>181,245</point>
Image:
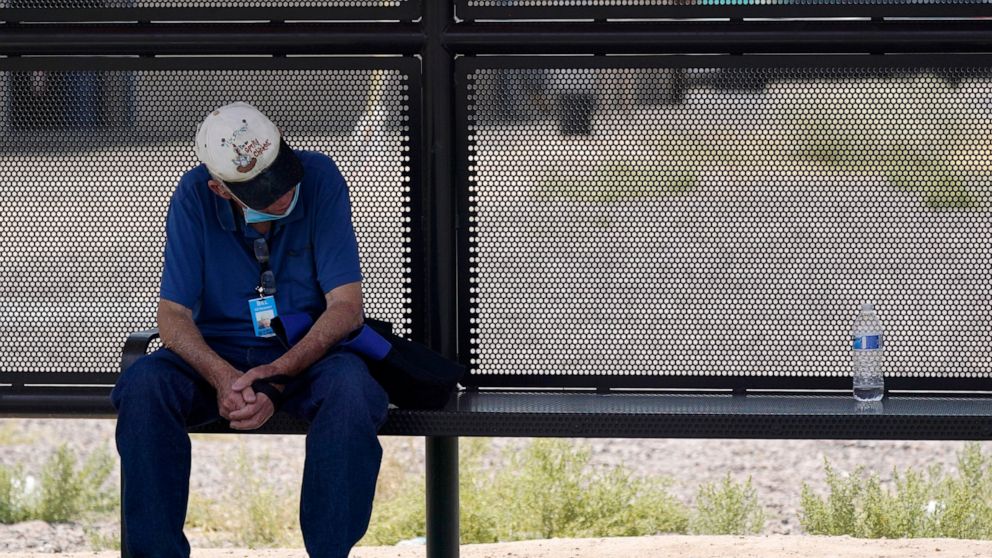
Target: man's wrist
<point>271,391</point>
<point>223,378</point>
<point>285,371</point>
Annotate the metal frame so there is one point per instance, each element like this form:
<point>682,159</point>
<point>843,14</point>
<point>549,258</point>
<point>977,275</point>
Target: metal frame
<point>704,415</point>
<point>466,10</point>
<point>588,414</point>
<point>644,379</point>
<point>93,63</point>
<point>405,10</point>
<point>468,38</point>
<point>271,39</point>
<point>721,37</point>
<point>409,10</point>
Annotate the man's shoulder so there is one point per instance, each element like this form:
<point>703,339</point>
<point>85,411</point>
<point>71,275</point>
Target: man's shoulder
<point>318,163</point>
<point>192,184</point>
<point>324,182</point>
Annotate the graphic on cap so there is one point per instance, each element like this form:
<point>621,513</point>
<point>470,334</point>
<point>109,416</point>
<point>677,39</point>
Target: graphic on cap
<point>248,152</point>
<point>237,142</point>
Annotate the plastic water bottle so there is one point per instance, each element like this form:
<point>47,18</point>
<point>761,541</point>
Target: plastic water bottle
<point>867,349</point>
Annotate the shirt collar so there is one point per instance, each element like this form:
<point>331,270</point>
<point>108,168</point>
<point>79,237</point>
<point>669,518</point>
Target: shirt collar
<point>225,214</point>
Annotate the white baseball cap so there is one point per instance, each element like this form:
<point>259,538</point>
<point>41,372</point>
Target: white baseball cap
<point>244,149</point>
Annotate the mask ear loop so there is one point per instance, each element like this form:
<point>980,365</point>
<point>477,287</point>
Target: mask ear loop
<point>236,198</point>
<point>243,205</point>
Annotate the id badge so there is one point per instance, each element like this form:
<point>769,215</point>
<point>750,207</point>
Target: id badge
<point>262,311</point>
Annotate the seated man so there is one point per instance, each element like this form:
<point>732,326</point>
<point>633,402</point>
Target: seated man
<point>259,230</point>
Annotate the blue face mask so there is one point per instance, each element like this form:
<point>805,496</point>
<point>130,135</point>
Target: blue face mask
<point>255,216</point>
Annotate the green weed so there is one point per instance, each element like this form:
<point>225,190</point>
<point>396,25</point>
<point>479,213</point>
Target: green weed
<point>940,185</point>
<point>206,515</point>
<point>963,507</point>
<point>265,519</point>
<point>13,499</point>
<point>253,513</point>
<point>64,492</point>
<point>546,490</point>
<point>727,509</point>
<point>67,492</point>
<point>929,504</point>
<point>99,541</point>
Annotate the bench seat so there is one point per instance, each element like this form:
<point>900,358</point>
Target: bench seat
<point>573,413</point>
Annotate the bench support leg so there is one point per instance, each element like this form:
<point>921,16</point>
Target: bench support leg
<point>442,497</point>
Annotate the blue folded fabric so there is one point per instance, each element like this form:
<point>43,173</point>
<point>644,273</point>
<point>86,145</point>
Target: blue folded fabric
<point>414,376</point>
<point>368,343</point>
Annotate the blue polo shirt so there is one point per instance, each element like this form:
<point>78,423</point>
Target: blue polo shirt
<point>210,266</point>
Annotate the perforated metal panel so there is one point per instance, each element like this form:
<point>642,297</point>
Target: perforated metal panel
<point>59,4</point>
<point>642,218</point>
<point>598,3</point>
<point>660,9</point>
<point>89,158</point>
<point>205,10</point>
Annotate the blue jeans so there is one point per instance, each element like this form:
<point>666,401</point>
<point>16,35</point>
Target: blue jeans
<point>160,396</point>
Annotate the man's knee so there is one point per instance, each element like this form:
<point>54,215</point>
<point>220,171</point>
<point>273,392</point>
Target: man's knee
<point>344,383</point>
<point>156,377</point>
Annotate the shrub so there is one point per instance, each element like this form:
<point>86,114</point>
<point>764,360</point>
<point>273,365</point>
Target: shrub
<point>544,491</point>
<point>101,541</point>
<point>727,509</point>
<point>204,514</point>
<point>13,507</point>
<point>400,518</point>
<point>11,435</point>
<point>963,507</point>
<point>921,505</point>
<point>264,519</point>
<point>66,493</point>
<point>836,514</point>
<point>939,184</point>
<point>555,495</point>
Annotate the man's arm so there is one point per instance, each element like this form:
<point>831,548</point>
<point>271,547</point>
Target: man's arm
<point>342,316</point>
<point>180,334</point>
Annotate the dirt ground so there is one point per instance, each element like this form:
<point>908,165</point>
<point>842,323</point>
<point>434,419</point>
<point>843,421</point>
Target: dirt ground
<point>773,546</point>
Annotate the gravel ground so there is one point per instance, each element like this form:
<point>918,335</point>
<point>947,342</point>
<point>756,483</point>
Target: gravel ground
<point>777,467</point>
<point>779,546</point>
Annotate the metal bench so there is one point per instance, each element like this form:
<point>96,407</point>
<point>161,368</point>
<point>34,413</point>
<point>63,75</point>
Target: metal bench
<point>672,414</point>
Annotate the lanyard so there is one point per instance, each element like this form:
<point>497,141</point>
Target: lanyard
<point>260,247</point>
<point>267,278</point>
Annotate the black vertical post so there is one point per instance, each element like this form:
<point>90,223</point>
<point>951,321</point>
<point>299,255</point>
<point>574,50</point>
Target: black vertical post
<point>442,497</point>
<point>439,199</point>
<point>439,210</point>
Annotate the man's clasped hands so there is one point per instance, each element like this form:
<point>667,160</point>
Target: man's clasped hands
<point>238,402</point>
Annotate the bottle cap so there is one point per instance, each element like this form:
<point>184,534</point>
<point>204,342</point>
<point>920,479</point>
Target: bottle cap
<point>867,306</point>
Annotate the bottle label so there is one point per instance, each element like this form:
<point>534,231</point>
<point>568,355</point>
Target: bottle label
<point>867,343</point>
